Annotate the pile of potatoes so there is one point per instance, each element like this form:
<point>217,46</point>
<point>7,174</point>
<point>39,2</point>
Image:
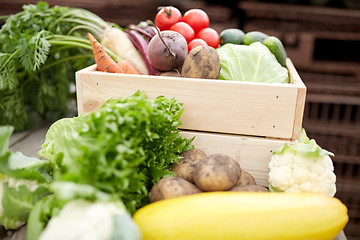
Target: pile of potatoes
<point>197,173</point>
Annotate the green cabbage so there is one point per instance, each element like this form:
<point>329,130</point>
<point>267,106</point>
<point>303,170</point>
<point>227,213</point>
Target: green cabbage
<point>253,63</point>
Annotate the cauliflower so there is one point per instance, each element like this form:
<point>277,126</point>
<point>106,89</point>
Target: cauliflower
<point>302,167</point>
<point>81,219</point>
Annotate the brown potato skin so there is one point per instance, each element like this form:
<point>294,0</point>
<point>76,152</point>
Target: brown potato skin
<point>171,187</point>
<point>186,166</point>
<point>249,188</point>
<point>245,179</point>
<point>216,172</point>
<point>201,62</point>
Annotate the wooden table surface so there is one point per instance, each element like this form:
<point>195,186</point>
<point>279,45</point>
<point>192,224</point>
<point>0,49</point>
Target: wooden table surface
<point>29,143</point>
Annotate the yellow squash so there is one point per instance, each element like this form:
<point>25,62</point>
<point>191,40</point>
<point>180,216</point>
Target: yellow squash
<point>243,215</point>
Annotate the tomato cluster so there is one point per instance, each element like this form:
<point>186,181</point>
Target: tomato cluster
<point>193,25</point>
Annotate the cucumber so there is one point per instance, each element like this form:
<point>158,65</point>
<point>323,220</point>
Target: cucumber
<point>232,35</point>
<point>254,36</point>
<point>277,48</point>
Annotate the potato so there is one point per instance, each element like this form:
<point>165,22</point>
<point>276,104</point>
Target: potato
<point>201,62</point>
<point>216,172</point>
<point>185,167</point>
<point>171,187</point>
<point>245,179</point>
<point>249,188</point>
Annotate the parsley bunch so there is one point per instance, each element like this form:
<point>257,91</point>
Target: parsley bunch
<point>40,50</point>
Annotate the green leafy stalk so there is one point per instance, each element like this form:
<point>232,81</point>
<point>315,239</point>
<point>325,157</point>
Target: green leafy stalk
<point>37,61</point>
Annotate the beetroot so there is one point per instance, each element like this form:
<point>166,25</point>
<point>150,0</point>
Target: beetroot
<point>168,52</point>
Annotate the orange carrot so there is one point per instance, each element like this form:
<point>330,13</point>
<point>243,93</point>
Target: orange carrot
<point>128,67</point>
<point>103,61</point>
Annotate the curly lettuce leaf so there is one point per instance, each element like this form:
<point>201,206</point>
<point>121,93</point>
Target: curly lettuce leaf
<point>123,148</point>
<point>305,147</point>
<point>253,63</point>
<point>59,132</point>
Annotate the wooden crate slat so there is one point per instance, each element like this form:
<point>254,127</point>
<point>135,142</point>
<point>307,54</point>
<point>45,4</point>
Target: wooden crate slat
<point>258,109</point>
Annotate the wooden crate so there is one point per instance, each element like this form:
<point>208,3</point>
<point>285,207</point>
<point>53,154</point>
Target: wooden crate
<point>232,107</point>
<point>245,121</point>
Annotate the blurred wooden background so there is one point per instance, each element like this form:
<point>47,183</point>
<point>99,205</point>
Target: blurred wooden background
<point>322,37</point>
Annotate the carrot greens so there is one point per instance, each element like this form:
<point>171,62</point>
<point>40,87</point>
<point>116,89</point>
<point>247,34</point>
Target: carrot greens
<point>41,48</point>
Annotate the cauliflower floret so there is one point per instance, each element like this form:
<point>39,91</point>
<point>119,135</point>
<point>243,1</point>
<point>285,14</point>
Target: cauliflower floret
<point>302,168</point>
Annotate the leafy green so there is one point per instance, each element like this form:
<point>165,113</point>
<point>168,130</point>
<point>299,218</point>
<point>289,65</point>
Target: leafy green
<point>40,215</point>
<point>53,150</point>
<point>67,191</point>
<point>18,201</point>
<point>17,165</point>
<point>253,63</point>
<point>122,149</point>
<point>40,50</point>
<point>5,133</point>
<point>305,148</point>
<point>23,182</point>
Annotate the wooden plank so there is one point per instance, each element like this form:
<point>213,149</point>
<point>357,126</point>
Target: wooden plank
<point>29,142</point>
<point>300,100</point>
<point>299,12</point>
<point>258,109</point>
<point>16,137</point>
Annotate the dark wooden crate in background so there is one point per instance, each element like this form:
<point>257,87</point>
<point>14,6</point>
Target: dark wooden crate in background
<point>324,44</point>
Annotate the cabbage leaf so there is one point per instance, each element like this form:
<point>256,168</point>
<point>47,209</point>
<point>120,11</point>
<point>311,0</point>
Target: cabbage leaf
<point>253,63</point>
<point>23,182</point>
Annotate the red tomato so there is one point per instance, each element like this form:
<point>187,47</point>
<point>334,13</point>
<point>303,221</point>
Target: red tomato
<point>197,19</point>
<point>184,29</point>
<point>166,17</point>
<point>210,36</point>
<point>196,42</point>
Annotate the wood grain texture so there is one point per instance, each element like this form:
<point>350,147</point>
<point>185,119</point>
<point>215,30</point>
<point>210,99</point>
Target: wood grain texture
<point>29,142</point>
<point>300,100</point>
<point>257,109</point>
